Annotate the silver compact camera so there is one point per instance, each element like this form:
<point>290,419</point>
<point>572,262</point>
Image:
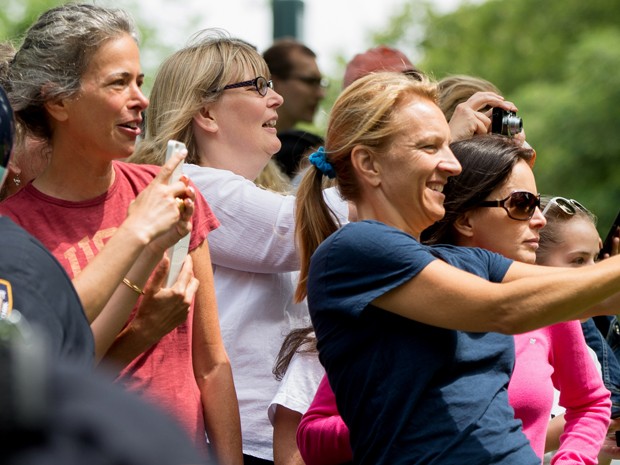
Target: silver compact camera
<point>505,122</point>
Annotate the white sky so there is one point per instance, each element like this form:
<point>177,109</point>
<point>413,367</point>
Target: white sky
<point>330,28</point>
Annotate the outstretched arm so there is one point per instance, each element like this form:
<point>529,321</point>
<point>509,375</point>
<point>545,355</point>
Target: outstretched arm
<point>530,297</point>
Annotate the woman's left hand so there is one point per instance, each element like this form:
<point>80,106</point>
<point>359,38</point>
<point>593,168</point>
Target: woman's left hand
<point>163,309</point>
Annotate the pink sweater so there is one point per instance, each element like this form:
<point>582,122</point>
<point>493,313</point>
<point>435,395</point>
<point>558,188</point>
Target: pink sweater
<point>322,436</point>
<point>555,356</point>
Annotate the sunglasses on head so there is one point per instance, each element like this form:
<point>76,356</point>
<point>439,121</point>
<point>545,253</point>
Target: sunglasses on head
<point>568,206</point>
<point>520,205</point>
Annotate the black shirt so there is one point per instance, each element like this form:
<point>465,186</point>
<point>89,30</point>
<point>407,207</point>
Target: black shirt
<point>33,281</point>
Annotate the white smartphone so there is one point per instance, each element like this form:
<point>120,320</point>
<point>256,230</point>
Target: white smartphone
<point>178,251</point>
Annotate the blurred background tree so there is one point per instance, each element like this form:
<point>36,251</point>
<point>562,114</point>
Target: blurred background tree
<point>17,15</point>
<point>558,60</point>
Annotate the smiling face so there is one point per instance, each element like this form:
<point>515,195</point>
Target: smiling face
<point>103,119</point>
<point>492,228</point>
<point>416,168</point>
<point>578,244</point>
<point>241,124</point>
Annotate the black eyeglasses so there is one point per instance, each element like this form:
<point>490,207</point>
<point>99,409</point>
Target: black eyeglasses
<point>261,85</point>
<point>520,205</point>
<point>568,206</point>
<point>321,82</point>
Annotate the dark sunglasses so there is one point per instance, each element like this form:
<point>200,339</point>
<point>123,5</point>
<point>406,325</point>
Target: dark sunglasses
<point>261,85</point>
<point>321,82</point>
<point>568,206</point>
<point>520,205</point>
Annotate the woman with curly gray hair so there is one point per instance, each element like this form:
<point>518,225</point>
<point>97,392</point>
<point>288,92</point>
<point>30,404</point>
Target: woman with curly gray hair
<point>75,83</point>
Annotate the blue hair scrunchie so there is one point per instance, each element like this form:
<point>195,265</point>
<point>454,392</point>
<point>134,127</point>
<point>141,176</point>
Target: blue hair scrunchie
<point>319,159</point>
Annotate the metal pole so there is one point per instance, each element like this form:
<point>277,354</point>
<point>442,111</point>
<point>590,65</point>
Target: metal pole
<point>288,19</point>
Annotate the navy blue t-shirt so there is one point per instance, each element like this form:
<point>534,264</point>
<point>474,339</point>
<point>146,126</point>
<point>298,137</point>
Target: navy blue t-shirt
<point>33,282</point>
<point>410,393</point>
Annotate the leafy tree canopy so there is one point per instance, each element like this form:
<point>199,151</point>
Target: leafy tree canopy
<point>558,60</point>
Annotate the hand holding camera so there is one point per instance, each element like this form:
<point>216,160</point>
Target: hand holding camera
<point>474,116</point>
<point>505,122</point>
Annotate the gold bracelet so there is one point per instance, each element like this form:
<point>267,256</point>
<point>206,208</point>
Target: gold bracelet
<point>132,286</point>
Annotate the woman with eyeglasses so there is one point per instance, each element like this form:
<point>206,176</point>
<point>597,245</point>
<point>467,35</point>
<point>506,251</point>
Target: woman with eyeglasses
<point>493,204</point>
<point>75,83</point>
<point>215,95</point>
<point>570,239</point>
<point>415,339</point>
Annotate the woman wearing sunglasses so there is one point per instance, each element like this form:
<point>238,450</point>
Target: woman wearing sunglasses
<point>493,204</point>
<point>215,95</point>
<point>414,338</point>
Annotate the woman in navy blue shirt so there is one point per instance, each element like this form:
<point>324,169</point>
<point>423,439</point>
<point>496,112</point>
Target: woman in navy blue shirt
<point>414,338</point>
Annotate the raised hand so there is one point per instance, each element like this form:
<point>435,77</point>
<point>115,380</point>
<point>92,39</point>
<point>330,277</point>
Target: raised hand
<point>163,209</point>
<point>163,309</point>
<point>185,207</point>
<point>468,118</point>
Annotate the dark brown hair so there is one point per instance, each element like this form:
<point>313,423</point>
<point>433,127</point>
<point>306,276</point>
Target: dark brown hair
<point>487,162</point>
<point>278,56</point>
<point>300,340</point>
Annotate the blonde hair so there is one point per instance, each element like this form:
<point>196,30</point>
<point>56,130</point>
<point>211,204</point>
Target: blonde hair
<point>188,79</point>
<point>456,89</point>
<point>363,114</point>
<point>273,178</point>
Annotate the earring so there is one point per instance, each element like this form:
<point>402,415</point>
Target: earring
<point>16,180</point>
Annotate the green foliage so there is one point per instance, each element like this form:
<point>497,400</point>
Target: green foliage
<point>558,60</point>
<point>512,42</point>
<point>573,125</point>
<point>17,15</point>
<point>408,28</point>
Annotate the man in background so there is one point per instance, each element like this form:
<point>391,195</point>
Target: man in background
<point>296,76</point>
